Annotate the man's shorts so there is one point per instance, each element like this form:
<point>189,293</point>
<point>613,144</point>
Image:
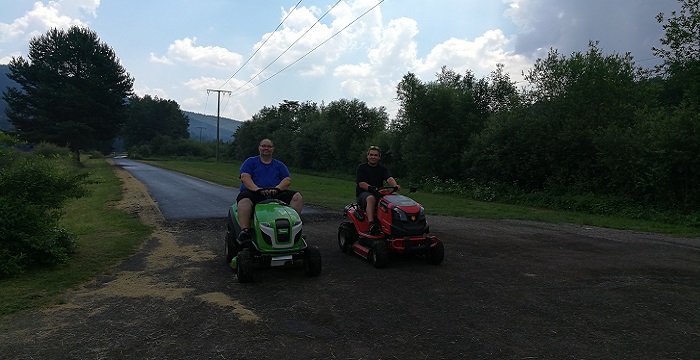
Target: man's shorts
<point>362,199</point>
<point>255,197</point>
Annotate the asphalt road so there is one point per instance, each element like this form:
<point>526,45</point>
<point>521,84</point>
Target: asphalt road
<point>180,196</point>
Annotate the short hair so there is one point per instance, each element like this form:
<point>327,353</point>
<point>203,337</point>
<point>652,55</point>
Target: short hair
<point>373,147</point>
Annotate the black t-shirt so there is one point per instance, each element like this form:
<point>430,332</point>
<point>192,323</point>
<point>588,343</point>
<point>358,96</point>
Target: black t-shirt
<point>373,175</point>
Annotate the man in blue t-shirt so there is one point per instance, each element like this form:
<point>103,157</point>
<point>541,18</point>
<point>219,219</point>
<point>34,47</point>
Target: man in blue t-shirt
<point>259,172</point>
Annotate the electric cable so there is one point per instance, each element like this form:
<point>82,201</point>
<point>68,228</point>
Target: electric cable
<point>303,56</point>
<point>263,44</point>
<point>290,46</point>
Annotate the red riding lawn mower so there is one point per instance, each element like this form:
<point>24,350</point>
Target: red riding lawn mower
<point>404,230</point>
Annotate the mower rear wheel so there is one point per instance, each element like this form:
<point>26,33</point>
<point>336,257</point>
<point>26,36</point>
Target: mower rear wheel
<point>436,254</point>
<point>379,255</point>
<point>347,235</point>
<point>244,266</point>
<point>312,261</point>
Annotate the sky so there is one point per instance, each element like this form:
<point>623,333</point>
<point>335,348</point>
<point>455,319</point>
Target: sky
<point>267,51</point>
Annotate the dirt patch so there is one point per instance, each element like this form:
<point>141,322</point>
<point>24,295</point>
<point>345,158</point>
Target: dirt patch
<point>506,290</point>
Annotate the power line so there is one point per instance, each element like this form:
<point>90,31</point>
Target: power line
<point>305,55</point>
<point>290,46</point>
<point>263,44</point>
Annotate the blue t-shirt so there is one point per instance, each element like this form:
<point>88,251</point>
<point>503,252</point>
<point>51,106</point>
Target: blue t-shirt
<point>264,175</point>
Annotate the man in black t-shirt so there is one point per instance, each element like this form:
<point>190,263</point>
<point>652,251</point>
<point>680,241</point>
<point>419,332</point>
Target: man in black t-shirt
<point>369,177</point>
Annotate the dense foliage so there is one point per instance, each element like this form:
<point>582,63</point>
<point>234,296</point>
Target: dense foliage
<point>72,91</point>
<point>149,117</point>
<point>30,234</point>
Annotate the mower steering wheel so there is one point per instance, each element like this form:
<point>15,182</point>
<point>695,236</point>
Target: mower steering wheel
<point>387,190</point>
<point>269,192</point>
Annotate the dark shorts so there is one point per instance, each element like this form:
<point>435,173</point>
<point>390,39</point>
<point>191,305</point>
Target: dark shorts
<point>362,199</point>
<point>285,196</point>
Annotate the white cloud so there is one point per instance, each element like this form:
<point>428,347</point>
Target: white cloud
<point>8,58</point>
<point>479,56</point>
<point>184,51</point>
<point>56,14</point>
<point>142,91</point>
<point>314,71</point>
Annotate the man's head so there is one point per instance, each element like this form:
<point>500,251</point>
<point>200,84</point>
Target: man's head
<point>373,155</point>
<point>266,148</point>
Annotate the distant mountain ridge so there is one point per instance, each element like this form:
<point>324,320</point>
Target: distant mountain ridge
<point>5,83</point>
<point>201,126</point>
<point>204,126</point>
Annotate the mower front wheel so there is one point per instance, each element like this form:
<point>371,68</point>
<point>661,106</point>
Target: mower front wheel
<point>230,246</point>
<point>312,261</point>
<point>379,255</point>
<point>347,235</point>
<point>244,266</point>
<point>436,254</point>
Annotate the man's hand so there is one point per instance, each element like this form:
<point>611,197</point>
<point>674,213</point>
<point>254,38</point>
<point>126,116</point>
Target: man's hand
<point>270,192</point>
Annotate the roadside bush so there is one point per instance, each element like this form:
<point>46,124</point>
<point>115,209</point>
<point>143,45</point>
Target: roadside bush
<point>51,150</point>
<point>33,191</point>
<point>139,152</point>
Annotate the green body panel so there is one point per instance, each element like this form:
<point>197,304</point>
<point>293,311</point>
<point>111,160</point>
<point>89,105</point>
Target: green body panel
<point>278,229</point>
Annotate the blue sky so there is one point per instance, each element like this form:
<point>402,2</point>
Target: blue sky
<point>177,49</point>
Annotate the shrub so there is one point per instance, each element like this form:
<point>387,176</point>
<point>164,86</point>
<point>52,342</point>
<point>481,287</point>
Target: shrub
<point>51,150</point>
<point>33,191</point>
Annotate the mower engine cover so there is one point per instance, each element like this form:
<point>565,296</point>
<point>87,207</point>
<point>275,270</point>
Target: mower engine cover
<point>279,227</point>
<point>402,215</point>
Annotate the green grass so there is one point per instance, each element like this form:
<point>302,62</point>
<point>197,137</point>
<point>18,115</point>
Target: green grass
<point>105,236</point>
<point>336,193</point>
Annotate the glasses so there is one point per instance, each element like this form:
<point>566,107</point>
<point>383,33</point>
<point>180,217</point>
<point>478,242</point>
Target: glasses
<point>374,148</point>
<point>266,146</point>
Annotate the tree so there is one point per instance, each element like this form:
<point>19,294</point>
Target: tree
<point>436,121</point>
<point>554,142</point>
<point>681,53</point>
<point>682,38</point>
<point>353,126</point>
<point>73,91</point>
<point>149,117</point>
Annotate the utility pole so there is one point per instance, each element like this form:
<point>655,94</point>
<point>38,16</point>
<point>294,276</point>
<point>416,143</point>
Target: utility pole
<point>218,109</point>
<point>200,132</point>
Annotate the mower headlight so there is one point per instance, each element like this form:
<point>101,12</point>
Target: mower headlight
<point>421,213</point>
<point>399,214</point>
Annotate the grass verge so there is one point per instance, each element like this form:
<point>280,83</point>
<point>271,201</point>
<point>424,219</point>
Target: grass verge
<point>336,193</point>
<point>105,236</point>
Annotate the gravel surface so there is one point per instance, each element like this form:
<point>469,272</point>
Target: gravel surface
<point>506,290</point>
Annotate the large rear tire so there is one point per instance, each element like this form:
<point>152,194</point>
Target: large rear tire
<point>244,266</point>
<point>379,255</point>
<point>312,261</point>
<point>436,254</point>
<point>347,235</point>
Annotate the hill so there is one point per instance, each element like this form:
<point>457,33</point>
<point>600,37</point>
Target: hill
<point>204,126</point>
<point>5,82</point>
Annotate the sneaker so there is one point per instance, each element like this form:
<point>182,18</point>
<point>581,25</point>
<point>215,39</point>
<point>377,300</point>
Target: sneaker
<point>245,236</point>
<point>374,229</point>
